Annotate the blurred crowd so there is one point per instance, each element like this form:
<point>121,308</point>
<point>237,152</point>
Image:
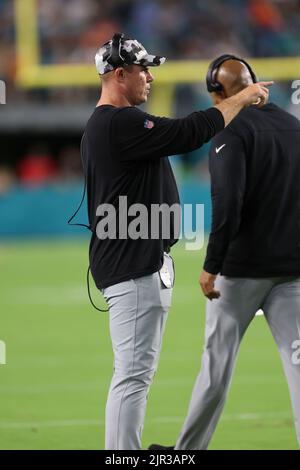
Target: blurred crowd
<point>70,31</point>
<point>40,166</point>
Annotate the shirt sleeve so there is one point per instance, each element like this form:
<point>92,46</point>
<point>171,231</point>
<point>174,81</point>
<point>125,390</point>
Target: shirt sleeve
<point>227,164</point>
<point>141,135</point>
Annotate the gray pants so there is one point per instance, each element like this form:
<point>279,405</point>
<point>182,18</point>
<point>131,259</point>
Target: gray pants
<point>138,311</point>
<point>227,319</point>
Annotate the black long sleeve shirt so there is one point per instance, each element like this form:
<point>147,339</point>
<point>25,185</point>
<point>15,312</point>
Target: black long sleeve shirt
<point>122,152</point>
<point>255,177</point>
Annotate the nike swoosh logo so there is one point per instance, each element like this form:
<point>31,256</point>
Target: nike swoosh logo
<point>219,148</point>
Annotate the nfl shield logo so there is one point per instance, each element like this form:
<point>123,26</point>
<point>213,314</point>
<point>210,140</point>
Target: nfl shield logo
<point>148,124</point>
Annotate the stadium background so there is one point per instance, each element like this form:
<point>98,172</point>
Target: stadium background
<point>54,385</point>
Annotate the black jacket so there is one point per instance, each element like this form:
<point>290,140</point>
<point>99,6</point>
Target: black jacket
<point>123,150</point>
<point>255,172</point>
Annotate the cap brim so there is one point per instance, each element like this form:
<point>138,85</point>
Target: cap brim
<point>151,60</point>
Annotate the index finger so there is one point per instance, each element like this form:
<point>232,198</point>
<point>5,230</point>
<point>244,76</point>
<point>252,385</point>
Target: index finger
<point>265,83</point>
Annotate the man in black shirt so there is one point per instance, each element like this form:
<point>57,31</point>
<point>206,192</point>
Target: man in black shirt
<point>253,254</point>
<point>125,158</point>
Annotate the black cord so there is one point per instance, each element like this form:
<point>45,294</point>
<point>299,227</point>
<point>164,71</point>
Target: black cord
<point>84,192</point>
<point>89,291</point>
<point>84,225</point>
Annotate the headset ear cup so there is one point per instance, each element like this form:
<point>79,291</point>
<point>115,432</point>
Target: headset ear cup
<point>211,84</point>
<point>215,87</point>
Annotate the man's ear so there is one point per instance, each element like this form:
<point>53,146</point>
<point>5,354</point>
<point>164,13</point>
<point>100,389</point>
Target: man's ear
<point>119,73</point>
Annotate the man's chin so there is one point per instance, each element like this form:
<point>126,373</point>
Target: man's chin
<point>143,99</point>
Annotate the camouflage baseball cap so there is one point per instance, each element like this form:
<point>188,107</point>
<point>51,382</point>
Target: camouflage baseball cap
<point>124,51</point>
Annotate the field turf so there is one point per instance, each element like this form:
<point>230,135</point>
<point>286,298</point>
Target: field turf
<point>59,360</point>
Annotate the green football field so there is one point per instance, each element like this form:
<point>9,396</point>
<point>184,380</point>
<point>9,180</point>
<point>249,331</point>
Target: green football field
<point>59,361</point>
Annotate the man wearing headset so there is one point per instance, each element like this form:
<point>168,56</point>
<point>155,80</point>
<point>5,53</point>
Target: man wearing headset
<point>253,254</point>
<point>125,158</point>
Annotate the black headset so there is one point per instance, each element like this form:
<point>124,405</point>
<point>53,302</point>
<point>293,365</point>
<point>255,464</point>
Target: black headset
<point>211,82</point>
<point>115,58</point>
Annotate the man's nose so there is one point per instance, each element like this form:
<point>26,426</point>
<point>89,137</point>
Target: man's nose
<point>150,77</point>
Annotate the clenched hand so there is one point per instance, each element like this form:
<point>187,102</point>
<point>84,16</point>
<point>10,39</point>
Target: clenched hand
<point>207,284</point>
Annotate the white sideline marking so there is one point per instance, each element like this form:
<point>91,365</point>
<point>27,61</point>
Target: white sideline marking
<point>161,420</point>
<point>47,295</point>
